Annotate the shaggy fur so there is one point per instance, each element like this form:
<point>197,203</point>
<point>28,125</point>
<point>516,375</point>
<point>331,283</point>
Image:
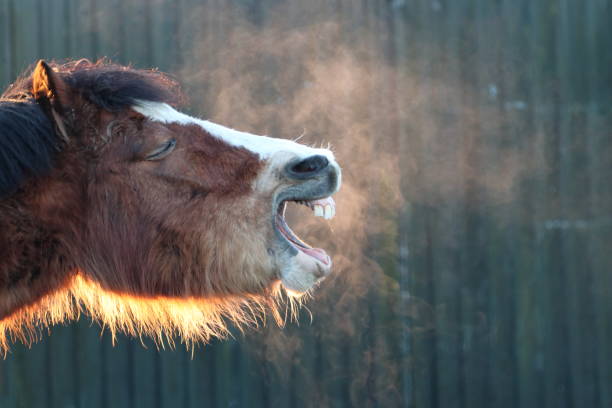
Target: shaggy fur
<point>27,144</point>
<point>89,223</point>
<point>108,86</point>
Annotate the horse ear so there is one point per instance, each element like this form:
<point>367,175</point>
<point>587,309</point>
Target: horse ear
<point>51,91</point>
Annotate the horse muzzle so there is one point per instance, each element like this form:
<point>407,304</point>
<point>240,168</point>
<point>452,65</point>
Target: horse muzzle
<point>313,181</point>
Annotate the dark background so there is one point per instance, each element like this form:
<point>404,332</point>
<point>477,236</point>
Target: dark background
<point>473,238</point>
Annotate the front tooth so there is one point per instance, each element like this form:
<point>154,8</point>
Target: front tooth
<point>328,212</point>
<point>318,211</point>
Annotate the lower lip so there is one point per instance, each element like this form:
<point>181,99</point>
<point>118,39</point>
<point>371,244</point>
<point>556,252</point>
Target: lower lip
<point>316,253</point>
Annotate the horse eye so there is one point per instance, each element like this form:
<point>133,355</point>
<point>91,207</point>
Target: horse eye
<point>162,151</point>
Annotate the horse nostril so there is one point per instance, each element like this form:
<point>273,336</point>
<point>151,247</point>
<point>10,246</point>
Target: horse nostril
<point>308,167</point>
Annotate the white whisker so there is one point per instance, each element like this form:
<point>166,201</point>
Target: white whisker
<point>300,136</point>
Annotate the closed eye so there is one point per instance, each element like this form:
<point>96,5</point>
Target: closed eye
<point>162,151</point>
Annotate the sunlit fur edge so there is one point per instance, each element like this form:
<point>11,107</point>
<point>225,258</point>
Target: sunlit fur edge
<point>192,320</point>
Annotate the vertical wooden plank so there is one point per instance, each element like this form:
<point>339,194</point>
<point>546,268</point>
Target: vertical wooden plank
<point>574,209</point>
<point>389,117</point>
<point>172,376</point>
<point>60,367</point>
<point>67,28</point>
<point>4,44</point>
<point>94,36</point>
<point>535,365</point>
<point>131,373</point>
<point>564,118</point>
<point>531,310</point>
<point>21,376</point>
<point>234,365</point>
<point>424,362</point>
<point>35,382</point>
<point>103,30</point>
<point>503,256</point>
<point>191,365</point>
<point>4,391</point>
<point>304,369</point>
<point>339,358</point>
<point>9,381</point>
<point>115,357</point>
<point>161,33</point>
<point>208,374</point>
<point>400,91</point>
<point>475,266</point>
<point>147,45</point>
<point>11,41</point>
<point>599,192</point>
<point>88,363</point>
<point>447,313</point>
<point>132,51</point>
<point>381,371</point>
<point>143,355</point>
<point>558,391</point>
<point>426,378</point>
<point>246,377</point>
<point>119,50</point>
<point>55,27</point>
<point>76,17</point>
<point>351,349</point>
<point>186,364</point>
<point>448,226</point>
<point>41,28</point>
<point>25,40</point>
<point>75,366</point>
<point>178,33</point>
<point>223,378</point>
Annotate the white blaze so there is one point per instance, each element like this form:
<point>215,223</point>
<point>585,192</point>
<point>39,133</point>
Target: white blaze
<point>264,146</point>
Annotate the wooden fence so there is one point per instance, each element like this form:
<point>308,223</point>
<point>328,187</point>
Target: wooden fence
<point>474,263</point>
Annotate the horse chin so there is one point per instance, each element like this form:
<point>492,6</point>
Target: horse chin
<point>302,273</point>
<point>301,266</point>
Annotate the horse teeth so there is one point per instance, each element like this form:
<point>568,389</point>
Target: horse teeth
<point>325,207</point>
<point>319,211</point>
<point>328,212</point>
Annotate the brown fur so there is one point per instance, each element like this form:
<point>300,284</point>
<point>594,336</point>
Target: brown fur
<point>107,232</point>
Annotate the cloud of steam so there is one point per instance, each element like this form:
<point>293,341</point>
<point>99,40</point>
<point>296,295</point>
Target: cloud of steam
<point>303,71</point>
<point>309,83</point>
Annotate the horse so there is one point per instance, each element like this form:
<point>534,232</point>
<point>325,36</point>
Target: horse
<point>116,205</point>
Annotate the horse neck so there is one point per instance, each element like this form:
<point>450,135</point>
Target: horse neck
<point>33,261</point>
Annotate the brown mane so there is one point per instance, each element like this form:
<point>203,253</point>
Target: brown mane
<point>109,86</point>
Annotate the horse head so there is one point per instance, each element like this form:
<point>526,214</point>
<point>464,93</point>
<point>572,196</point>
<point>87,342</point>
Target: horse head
<point>150,220</point>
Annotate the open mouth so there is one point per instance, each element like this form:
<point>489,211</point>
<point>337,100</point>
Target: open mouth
<point>325,208</point>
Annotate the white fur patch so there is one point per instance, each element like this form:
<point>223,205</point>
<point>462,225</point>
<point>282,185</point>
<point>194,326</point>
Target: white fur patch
<point>263,146</point>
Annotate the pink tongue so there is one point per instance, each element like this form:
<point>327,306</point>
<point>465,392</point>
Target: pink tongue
<point>316,253</point>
